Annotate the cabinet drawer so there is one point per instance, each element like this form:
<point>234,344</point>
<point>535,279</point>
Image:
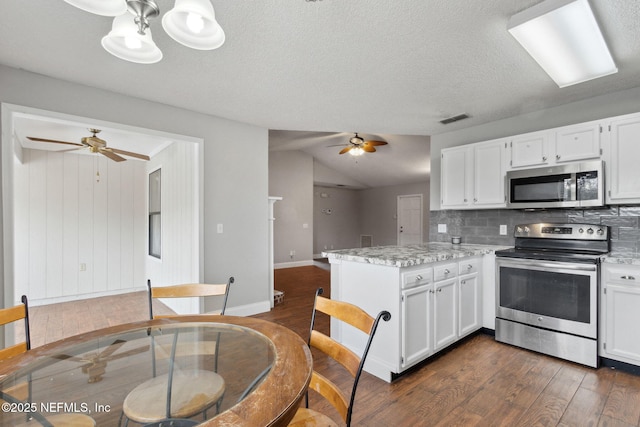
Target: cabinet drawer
<point>624,274</point>
<point>469,266</point>
<point>445,271</point>
<point>417,278</point>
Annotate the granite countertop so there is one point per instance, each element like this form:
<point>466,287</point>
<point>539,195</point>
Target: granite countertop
<point>622,258</point>
<point>410,255</point>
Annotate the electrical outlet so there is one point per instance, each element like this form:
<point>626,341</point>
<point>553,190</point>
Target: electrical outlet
<point>442,228</point>
<point>503,230</point>
<point>219,228</point>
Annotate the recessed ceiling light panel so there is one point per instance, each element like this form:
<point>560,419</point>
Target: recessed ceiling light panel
<point>564,38</point>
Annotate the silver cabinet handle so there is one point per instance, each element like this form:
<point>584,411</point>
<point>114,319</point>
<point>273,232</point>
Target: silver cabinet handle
<point>557,156</point>
<point>463,282</point>
<point>628,277</point>
<point>469,267</point>
<point>446,271</point>
<point>439,289</point>
<point>418,277</point>
<point>544,158</point>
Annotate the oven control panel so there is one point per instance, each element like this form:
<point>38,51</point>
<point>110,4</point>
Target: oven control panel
<point>562,231</point>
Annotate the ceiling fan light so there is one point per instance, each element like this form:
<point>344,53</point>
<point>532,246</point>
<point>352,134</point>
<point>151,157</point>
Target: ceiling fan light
<point>356,151</point>
<point>192,23</point>
<point>101,7</point>
<point>124,42</point>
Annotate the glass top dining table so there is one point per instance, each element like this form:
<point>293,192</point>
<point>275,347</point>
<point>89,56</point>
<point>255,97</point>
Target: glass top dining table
<point>264,369</point>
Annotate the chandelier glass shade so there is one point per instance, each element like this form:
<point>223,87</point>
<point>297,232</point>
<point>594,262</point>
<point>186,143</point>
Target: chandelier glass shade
<point>125,42</point>
<point>191,23</point>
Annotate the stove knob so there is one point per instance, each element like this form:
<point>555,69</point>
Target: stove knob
<point>518,229</point>
<point>581,230</point>
<point>600,231</point>
<point>526,229</point>
<point>590,230</point>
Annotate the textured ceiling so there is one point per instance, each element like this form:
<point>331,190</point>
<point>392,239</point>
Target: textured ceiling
<point>376,66</point>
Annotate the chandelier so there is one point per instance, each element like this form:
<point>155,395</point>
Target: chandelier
<point>191,23</point>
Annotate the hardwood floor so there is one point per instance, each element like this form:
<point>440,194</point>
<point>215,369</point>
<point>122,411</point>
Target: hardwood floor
<point>478,383</point>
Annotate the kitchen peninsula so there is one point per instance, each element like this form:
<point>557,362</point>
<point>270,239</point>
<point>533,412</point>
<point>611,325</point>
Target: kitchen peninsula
<point>437,294</point>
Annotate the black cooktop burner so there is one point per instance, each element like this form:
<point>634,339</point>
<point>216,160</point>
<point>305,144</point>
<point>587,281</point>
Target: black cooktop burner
<point>550,255</point>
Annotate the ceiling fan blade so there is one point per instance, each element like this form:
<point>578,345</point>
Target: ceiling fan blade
<point>368,148</point>
<point>130,154</point>
<point>375,143</point>
<point>111,348</point>
<point>127,353</point>
<point>113,156</point>
<point>54,141</point>
<point>345,149</point>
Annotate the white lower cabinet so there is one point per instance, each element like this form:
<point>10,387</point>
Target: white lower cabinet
<point>439,309</point>
<point>620,314</point>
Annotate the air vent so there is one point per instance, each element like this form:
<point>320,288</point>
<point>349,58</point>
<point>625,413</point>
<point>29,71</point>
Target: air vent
<point>454,119</point>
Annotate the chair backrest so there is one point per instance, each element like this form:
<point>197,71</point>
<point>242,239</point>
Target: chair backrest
<point>189,290</point>
<point>357,318</point>
<point>13,314</point>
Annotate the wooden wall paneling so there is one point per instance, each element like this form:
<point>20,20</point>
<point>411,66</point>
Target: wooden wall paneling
<point>127,232</point>
<point>100,227</point>
<point>70,239</point>
<point>21,235</point>
<point>86,180</point>
<point>113,224</point>
<point>52,240</point>
<point>37,217</point>
<point>140,226</point>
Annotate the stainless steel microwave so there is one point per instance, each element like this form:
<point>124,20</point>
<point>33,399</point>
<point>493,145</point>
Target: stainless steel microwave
<point>572,185</point>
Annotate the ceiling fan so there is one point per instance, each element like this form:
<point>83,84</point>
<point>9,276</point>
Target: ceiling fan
<point>358,146</point>
<point>96,145</point>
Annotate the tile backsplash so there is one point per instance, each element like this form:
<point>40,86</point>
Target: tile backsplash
<point>483,226</point>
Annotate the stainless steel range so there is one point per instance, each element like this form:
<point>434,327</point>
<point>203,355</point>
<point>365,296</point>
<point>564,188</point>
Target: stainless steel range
<point>547,289</point>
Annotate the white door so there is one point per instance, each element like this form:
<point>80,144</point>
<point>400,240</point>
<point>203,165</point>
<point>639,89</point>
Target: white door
<point>409,219</point>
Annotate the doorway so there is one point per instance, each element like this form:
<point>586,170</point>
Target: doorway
<point>409,219</point>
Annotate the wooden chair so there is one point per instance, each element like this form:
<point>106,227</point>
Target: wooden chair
<point>177,396</point>
<point>358,318</point>
<point>21,392</point>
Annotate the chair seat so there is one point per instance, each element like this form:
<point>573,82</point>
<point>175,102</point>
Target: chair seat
<point>64,420</point>
<point>309,418</point>
<point>191,393</point>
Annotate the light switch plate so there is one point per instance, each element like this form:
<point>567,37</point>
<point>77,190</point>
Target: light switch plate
<point>442,228</point>
<point>219,228</point>
<point>503,230</point>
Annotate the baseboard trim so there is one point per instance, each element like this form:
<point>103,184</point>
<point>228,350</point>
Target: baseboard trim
<point>293,264</point>
<point>46,301</point>
<point>249,309</point>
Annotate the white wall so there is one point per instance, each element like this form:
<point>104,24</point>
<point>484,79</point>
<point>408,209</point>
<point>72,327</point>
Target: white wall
<point>234,184</point>
<point>65,218</point>
<point>379,207</point>
<point>613,104</point>
<point>336,218</point>
<point>291,177</point>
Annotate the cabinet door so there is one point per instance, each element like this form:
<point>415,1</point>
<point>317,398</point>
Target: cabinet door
<point>445,313</point>
<point>529,149</point>
<point>578,142</point>
<point>416,324</point>
<point>621,340</point>
<point>489,171</point>
<point>469,306</point>
<point>455,173</point>
<point>623,166</point>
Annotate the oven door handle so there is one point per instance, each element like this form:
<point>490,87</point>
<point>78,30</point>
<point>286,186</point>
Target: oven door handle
<point>565,266</point>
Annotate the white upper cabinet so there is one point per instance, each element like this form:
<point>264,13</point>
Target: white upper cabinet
<point>489,170</point>
<point>623,160</point>
<point>578,142</point>
<point>455,179</point>
<point>473,175</point>
<point>529,150</point>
